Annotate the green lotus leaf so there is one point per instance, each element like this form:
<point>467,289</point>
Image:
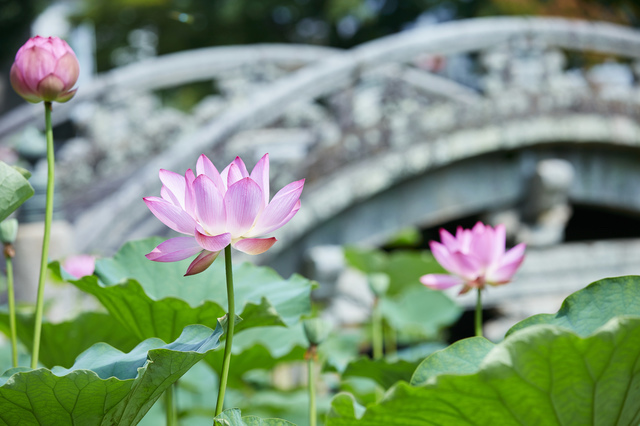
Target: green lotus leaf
<point>61,343</point>
<point>105,386</point>
<point>340,348</point>
<point>462,357</point>
<point>344,407</point>
<point>261,348</point>
<point>15,189</point>
<point>383,372</point>
<point>233,417</point>
<point>590,308</point>
<point>419,312</point>
<point>363,390</point>
<point>541,375</point>
<point>154,299</point>
<point>404,268</point>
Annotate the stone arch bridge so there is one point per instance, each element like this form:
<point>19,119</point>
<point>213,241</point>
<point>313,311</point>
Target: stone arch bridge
<point>419,128</point>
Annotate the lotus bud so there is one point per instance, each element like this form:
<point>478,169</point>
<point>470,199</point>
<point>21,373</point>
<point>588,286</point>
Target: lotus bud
<point>316,330</point>
<point>45,69</point>
<point>8,231</point>
<point>80,265</point>
<point>378,283</point>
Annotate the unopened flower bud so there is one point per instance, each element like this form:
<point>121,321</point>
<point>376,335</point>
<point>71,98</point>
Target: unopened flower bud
<point>80,265</point>
<point>8,231</point>
<point>316,330</point>
<point>378,283</point>
<point>45,69</point>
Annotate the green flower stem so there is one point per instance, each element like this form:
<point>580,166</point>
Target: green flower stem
<point>170,406</point>
<point>311,353</point>
<point>391,340</point>
<point>231,320</point>
<point>376,330</point>
<point>45,241</point>
<point>8,254</point>
<point>479,314</point>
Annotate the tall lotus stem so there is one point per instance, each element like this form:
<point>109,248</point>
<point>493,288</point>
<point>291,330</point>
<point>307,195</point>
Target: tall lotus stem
<point>9,253</point>
<point>479,313</point>
<point>170,406</point>
<point>391,340</point>
<point>47,231</point>
<point>311,356</point>
<point>231,317</point>
<point>316,330</point>
<point>376,330</point>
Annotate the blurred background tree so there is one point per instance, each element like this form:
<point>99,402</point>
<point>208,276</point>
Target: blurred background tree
<point>187,24</point>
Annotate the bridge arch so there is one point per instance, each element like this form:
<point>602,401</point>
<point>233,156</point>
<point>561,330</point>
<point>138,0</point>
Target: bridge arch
<point>476,123</point>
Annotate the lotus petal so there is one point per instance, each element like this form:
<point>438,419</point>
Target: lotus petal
<point>254,245</point>
<point>202,262</point>
<point>172,216</point>
<point>242,202</point>
<point>175,249</point>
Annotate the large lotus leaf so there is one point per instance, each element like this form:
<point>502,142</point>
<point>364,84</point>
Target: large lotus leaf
<point>463,357</point>
<point>344,408</point>
<point>417,353</point>
<point>6,352</point>
<point>340,348</point>
<point>155,300</point>
<point>383,372</point>
<point>15,189</point>
<point>403,267</point>
<point>233,417</point>
<point>366,260</point>
<point>406,267</point>
<point>588,309</point>
<point>104,386</point>
<point>540,375</point>
<point>365,391</point>
<point>419,312</point>
<point>261,348</point>
<point>292,405</point>
<point>61,343</point>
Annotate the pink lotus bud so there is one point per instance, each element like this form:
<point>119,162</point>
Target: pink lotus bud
<point>80,265</point>
<point>45,69</point>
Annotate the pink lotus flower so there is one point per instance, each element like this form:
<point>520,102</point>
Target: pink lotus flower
<point>218,209</point>
<point>45,69</point>
<point>80,265</point>
<point>475,257</point>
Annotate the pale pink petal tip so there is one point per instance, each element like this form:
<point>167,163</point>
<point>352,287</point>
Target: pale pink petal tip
<point>440,281</point>
<point>254,245</point>
<point>508,266</point>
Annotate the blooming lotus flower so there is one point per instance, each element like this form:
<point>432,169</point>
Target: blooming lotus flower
<point>45,69</point>
<point>475,257</point>
<point>80,265</point>
<point>218,209</point>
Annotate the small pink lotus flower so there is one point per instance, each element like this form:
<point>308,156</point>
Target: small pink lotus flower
<point>218,209</point>
<point>45,69</point>
<point>80,265</point>
<point>475,257</point>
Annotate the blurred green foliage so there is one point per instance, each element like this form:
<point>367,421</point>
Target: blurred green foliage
<point>188,24</point>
